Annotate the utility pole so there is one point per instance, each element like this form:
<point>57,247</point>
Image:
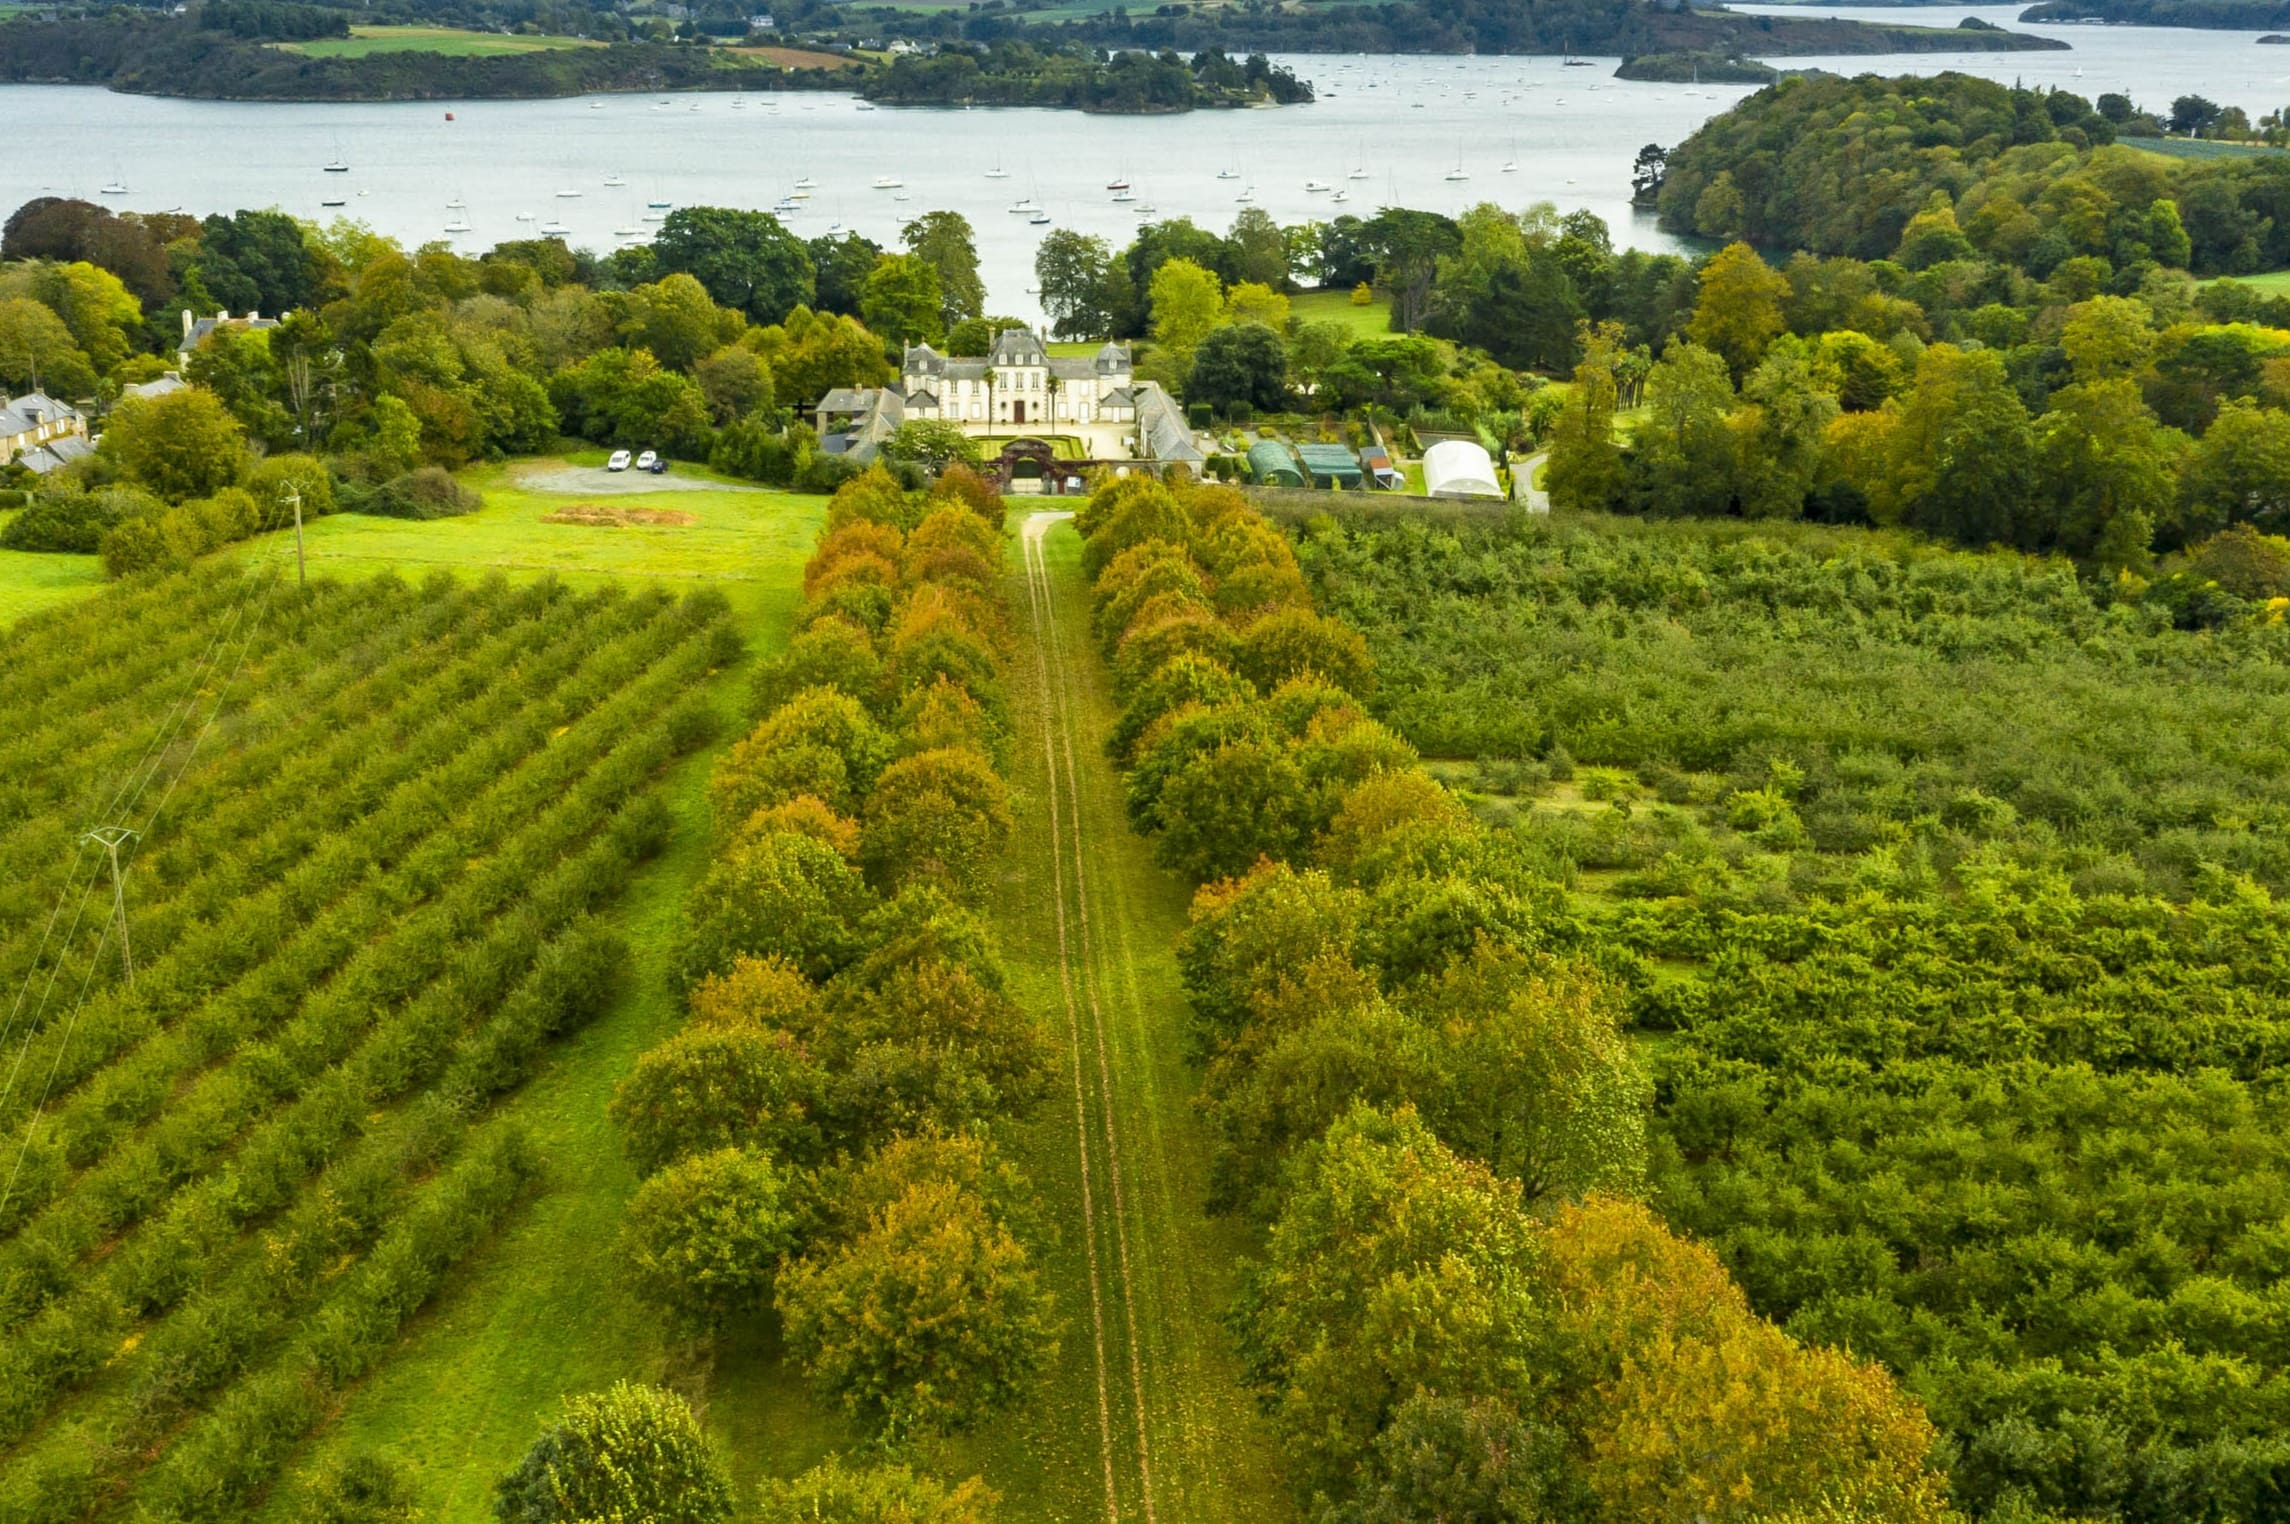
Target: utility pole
<point>111,839</point>
<point>301,573</point>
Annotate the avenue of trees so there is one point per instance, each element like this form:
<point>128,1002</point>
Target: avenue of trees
<point>819,1138</point>
<point>1420,1086</point>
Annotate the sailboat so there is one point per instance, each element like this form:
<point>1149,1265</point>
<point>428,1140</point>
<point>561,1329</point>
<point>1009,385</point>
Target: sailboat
<point>614,181</point>
<point>1458,172</point>
<point>337,165</point>
<point>1228,174</point>
<point>997,172</point>
<point>1511,165</point>
<point>115,186</point>
<point>1360,165</point>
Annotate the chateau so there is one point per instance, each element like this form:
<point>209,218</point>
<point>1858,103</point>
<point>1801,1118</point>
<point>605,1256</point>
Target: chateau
<point>1018,388</point>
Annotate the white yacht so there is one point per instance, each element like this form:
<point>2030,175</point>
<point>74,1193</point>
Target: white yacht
<point>888,182</point>
<point>1040,219</point>
<point>1315,187</point>
<point>997,172</point>
<point>614,182</point>
<point>806,183</point>
<point>458,225</point>
<point>554,229</point>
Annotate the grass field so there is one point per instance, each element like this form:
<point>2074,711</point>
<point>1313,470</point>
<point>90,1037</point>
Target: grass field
<point>2197,148</point>
<point>34,580</point>
<point>453,42</point>
<point>1062,446</point>
<point>744,541</point>
<point>1369,322</point>
<point>2271,282</point>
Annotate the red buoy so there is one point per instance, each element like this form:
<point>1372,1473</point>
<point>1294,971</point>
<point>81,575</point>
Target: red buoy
<point>449,116</point>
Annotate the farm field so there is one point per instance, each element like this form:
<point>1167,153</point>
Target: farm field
<point>449,845</point>
<point>453,42</point>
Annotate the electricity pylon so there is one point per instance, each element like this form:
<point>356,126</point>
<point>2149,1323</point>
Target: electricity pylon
<point>111,839</point>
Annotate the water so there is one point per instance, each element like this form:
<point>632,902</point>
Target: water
<point>1408,123</point>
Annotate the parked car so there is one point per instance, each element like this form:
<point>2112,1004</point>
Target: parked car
<point>647,461</point>
<point>619,461</point>
<point>659,466</point>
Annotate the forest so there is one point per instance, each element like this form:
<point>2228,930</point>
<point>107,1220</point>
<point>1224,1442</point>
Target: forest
<point>1945,901</point>
<point>143,54</point>
<point>1619,27</point>
<point>1132,82</point>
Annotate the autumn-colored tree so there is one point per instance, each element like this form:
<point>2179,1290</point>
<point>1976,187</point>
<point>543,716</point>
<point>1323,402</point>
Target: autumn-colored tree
<point>930,1319</point>
<point>781,893</point>
<point>769,765</point>
<point>709,1088</point>
<point>1738,311</point>
<point>1689,1407</point>
<point>887,1493</point>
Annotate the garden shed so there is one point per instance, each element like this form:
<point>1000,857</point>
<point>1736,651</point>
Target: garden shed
<point>1329,465</point>
<point>1272,466</point>
<point>1459,468</point>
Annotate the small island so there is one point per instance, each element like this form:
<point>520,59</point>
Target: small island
<point>1706,68</point>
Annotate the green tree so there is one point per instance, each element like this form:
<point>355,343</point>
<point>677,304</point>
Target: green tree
<point>1407,247</point>
<point>902,300</point>
<point>1188,304</point>
<point>746,260</point>
<point>631,1453</point>
<point>948,242</point>
<point>256,262</point>
<point>1240,362</point>
<point>1586,468</point>
<point>1072,269</point>
<point>2110,469</point>
<point>37,349</point>
<point>1738,311</point>
<point>1256,251</point>
<point>675,319</point>
<point>705,1235</point>
<point>181,444</point>
<point>2107,337</point>
<point>707,1089</point>
<point>930,1319</point>
<point>932,442</point>
<point>1779,441</point>
<point>1681,462</point>
<point>735,382</point>
<point>2237,473</point>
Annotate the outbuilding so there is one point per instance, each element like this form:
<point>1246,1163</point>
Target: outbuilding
<point>1272,466</point>
<point>1459,468</point>
<point>1329,465</point>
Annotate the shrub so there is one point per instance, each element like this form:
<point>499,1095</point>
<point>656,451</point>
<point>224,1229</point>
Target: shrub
<point>360,1489</point>
<point>429,492</point>
<point>69,518</point>
<point>633,1453</point>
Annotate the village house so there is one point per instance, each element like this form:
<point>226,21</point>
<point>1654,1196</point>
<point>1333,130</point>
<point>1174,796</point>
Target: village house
<point>40,433</point>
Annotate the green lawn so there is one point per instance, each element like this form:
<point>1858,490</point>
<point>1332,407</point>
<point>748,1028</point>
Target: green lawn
<point>33,580</point>
<point>745,541</point>
<point>1369,322</point>
<point>453,42</point>
<point>2272,282</point>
